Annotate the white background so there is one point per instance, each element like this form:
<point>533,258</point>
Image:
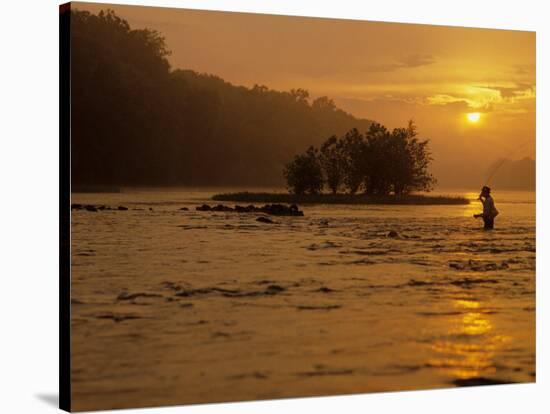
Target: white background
<point>29,204</point>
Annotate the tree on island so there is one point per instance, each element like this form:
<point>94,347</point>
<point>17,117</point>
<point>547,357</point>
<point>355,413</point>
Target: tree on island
<point>353,159</point>
<point>331,160</point>
<point>305,173</point>
<point>380,162</point>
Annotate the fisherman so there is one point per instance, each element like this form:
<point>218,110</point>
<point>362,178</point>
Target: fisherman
<point>489,210</point>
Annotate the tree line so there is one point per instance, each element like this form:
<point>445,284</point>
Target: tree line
<point>137,121</point>
<point>378,162</point>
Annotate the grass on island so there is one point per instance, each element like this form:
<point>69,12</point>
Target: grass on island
<point>412,199</point>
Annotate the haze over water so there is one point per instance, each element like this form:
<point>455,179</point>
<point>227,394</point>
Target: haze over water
<point>173,307</point>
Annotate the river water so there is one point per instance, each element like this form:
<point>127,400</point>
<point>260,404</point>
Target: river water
<point>178,307</point>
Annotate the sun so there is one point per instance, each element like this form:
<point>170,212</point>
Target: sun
<point>473,116</point>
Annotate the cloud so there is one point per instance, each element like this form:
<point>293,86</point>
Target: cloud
<point>443,99</point>
<point>460,103</point>
<point>414,61</point>
<point>520,90</point>
<point>523,69</point>
<point>407,62</point>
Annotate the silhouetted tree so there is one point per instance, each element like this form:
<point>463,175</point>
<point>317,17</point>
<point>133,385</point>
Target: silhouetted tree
<point>381,162</point>
<point>378,159</point>
<point>419,159</point>
<point>300,95</point>
<point>353,155</point>
<point>323,103</point>
<point>331,158</point>
<point>304,174</point>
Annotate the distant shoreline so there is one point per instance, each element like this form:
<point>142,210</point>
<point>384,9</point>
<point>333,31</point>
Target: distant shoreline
<point>94,189</point>
<point>340,199</point>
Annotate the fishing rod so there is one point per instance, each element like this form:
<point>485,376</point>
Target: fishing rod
<point>501,162</point>
<point>488,218</point>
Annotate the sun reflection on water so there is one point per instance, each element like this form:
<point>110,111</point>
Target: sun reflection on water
<point>475,324</point>
<point>474,207</point>
<point>471,344</point>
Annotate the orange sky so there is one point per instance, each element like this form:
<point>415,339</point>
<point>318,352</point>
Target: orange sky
<point>388,72</point>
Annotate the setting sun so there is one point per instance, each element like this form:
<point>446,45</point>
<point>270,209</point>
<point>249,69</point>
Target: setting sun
<point>473,116</point>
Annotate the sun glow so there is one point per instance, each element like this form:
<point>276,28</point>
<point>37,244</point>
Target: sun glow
<point>473,116</point>
<point>472,352</point>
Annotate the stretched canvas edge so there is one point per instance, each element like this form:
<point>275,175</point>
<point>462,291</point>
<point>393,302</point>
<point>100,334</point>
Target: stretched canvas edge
<point>64,207</point>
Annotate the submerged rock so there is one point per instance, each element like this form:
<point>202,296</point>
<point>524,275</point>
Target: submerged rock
<point>265,220</point>
<point>95,208</point>
<point>318,307</point>
<point>274,289</point>
<point>116,317</point>
<point>321,371</point>
<point>414,282</point>
<point>186,305</point>
<point>272,209</point>
<point>477,381</point>
<point>478,266</point>
<point>221,207</point>
<point>246,209</point>
<point>468,282</point>
<point>229,293</point>
<point>282,210</point>
<point>325,245</point>
<point>393,234</point>
<point>132,296</point>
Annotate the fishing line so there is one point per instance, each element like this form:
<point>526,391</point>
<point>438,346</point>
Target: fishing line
<point>501,162</point>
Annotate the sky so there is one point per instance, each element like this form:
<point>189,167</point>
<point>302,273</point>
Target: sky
<point>387,72</point>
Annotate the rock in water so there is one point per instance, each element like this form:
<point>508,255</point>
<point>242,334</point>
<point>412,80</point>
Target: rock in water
<point>221,207</point>
<point>122,208</point>
<point>272,209</point>
<point>274,289</point>
<point>478,266</point>
<point>282,210</point>
<point>457,265</point>
<point>393,234</point>
<point>265,220</point>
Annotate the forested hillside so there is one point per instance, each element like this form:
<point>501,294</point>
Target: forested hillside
<point>137,121</point>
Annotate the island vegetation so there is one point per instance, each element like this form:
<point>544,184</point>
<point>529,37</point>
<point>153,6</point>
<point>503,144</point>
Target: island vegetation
<point>378,162</point>
<point>378,167</point>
